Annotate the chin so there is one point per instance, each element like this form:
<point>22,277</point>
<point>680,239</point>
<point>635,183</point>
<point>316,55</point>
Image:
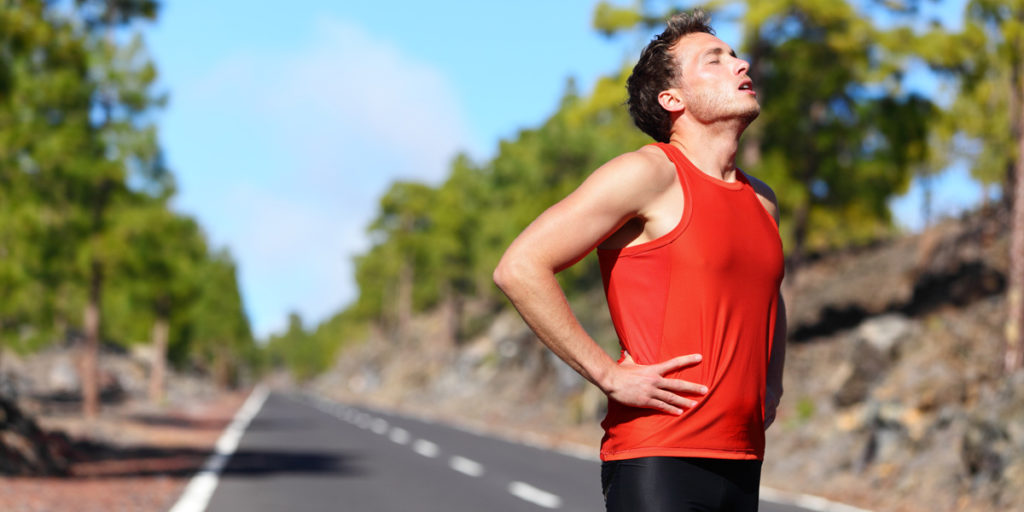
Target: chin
<point>751,114</point>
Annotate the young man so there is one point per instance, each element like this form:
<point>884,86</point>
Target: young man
<point>692,263</point>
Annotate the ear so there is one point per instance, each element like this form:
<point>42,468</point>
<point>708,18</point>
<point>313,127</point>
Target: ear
<point>671,100</point>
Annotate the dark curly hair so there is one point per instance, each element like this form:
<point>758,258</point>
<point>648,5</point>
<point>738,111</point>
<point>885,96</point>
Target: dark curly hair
<point>657,70</point>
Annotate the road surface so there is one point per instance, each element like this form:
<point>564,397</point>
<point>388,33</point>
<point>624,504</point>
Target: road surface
<point>305,454</point>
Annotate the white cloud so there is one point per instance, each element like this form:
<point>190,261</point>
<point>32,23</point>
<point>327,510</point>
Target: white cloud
<point>284,155</point>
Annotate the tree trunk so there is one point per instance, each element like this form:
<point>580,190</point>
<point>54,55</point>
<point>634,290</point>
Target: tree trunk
<point>222,374</point>
<point>403,301</point>
<point>802,211</point>
<point>1013,194</point>
<point>801,218</point>
<point>451,314</point>
<point>89,366</point>
<point>158,367</point>
<point>926,200</point>
<point>1015,290</point>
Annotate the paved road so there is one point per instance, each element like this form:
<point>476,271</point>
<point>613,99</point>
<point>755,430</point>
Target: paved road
<point>302,454</point>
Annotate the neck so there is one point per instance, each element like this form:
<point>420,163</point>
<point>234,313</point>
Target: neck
<point>711,147</point>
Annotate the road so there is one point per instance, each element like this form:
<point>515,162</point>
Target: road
<point>300,454</point>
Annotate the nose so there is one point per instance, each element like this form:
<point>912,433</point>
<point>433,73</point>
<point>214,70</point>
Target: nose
<point>742,66</point>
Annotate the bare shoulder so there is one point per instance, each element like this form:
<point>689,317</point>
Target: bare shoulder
<point>766,195</point>
<point>632,178</point>
<point>644,164</point>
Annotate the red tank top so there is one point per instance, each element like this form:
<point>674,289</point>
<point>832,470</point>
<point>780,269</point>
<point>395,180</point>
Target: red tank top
<point>710,286</point>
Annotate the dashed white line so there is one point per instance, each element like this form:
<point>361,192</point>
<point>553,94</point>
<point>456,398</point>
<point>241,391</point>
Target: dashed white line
<point>379,426</point>
<point>363,420</point>
<point>425,448</point>
<point>466,466</point>
<point>534,495</point>
<point>806,501</point>
<point>399,435</point>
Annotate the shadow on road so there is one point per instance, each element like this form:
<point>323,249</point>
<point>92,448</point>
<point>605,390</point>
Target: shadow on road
<point>263,462</point>
<point>105,461</point>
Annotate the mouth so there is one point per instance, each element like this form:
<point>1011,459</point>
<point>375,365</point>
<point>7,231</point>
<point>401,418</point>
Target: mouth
<point>748,87</point>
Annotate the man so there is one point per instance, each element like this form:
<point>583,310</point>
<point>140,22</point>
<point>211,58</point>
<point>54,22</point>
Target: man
<point>692,263</point>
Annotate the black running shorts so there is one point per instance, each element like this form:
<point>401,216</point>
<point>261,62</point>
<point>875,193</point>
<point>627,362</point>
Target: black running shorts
<point>680,484</point>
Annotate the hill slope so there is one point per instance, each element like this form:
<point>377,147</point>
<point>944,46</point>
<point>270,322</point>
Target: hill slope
<point>894,395</point>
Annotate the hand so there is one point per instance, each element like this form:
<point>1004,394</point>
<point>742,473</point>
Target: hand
<point>645,385</point>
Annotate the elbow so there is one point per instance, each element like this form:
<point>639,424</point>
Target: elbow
<point>504,274</point>
<point>511,273</point>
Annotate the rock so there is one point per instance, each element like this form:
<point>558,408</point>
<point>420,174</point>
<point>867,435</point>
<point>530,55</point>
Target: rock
<point>885,333</point>
<point>63,376</point>
<point>981,450</point>
<point>860,372</point>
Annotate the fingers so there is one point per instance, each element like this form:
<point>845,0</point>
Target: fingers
<point>678,362</point>
<point>682,386</point>
<point>670,402</point>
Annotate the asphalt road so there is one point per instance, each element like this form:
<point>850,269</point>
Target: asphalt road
<point>302,454</point>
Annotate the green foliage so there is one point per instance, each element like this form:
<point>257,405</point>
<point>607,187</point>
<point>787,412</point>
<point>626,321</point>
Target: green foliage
<point>84,191</point>
<point>984,61</point>
<point>306,354</point>
<point>216,330</point>
<point>609,19</point>
<point>836,138</point>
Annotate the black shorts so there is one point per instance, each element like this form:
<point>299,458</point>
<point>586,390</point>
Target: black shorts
<point>680,484</point>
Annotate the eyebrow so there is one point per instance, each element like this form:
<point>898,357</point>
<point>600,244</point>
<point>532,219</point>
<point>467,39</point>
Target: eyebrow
<point>717,51</point>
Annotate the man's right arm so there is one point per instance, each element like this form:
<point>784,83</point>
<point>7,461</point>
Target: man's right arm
<point>615,193</point>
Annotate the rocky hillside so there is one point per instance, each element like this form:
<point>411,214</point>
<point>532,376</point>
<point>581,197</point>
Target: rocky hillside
<point>42,431</point>
<point>895,399</point>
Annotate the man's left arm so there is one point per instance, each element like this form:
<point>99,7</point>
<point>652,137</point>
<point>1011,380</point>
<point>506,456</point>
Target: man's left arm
<point>777,357</point>
<point>776,360</point>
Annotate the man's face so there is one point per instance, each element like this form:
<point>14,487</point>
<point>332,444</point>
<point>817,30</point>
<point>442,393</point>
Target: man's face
<point>714,83</point>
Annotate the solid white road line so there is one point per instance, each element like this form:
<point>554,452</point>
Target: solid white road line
<point>399,435</point>
<point>197,495</point>
<point>534,495</point>
<point>425,448</point>
<point>466,466</point>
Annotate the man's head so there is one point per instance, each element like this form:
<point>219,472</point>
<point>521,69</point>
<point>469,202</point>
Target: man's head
<point>659,87</point>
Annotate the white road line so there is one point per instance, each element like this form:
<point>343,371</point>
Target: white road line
<point>200,489</point>
<point>399,435</point>
<point>379,426</point>
<point>402,436</point>
<point>534,495</point>
<point>363,420</point>
<point>466,466</point>
<point>425,448</point>
<point>806,501</point>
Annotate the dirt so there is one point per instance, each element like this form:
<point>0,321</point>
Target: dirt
<point>134,457</point>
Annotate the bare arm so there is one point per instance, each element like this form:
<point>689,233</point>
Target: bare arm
<point>614,194</point>
<point>776,361</point>
<point>777,357</point>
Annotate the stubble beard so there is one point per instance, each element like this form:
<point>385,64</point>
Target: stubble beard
<point>709,107</point>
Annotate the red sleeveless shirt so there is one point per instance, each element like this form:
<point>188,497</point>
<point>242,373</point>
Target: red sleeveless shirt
<point>710,286</point>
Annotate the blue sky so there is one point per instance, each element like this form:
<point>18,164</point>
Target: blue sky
<point>287,121</point>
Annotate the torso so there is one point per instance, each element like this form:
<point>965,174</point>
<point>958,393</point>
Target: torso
<point>709,285</point>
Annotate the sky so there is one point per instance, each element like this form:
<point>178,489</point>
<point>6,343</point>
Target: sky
<point>287,121</point>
